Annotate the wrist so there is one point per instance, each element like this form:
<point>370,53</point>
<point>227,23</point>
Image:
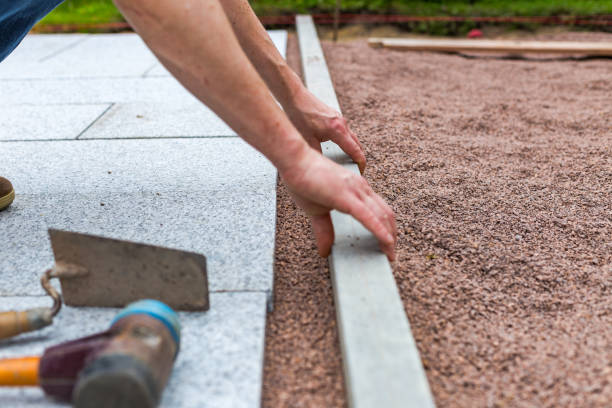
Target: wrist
<point>293,87</point>
<point>294,154</point>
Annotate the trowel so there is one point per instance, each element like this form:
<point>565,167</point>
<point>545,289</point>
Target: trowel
<point>101,272</point>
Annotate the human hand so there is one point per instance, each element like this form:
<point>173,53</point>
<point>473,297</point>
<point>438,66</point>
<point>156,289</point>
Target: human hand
<point>319,123</point>
<point>319,185</point>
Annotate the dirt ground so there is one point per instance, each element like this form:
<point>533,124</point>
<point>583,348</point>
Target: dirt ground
<point>500,174</point>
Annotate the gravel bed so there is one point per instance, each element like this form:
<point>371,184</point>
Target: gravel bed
<point>500,174</point>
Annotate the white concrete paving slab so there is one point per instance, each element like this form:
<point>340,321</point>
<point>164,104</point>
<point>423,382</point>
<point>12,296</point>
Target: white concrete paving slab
<point>233,230</point>
<point>158,120</point>
<point>95,90</point>
<point>37,48</point>
<point>279,38</point>
<point>100,55</point>
<point>157,70</point>
<point>212,196</point>
<point>215,196</point>
<point>218,366</point>
<point>93,69</point>
<point>189,165</point>
<point>31,122</point>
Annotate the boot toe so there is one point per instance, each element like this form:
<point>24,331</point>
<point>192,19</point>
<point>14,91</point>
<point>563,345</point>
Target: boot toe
<point>7,193</point>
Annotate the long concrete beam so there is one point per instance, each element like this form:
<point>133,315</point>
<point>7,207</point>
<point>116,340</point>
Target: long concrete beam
<point>382,367</point>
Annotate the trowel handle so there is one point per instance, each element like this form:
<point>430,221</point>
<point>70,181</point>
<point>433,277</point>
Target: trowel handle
<point>16,322</point>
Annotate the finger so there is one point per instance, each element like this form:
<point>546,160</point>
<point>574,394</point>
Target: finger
<point>389,215</point>
<point>381,213</point>
<point>354,136</point>
<point>351,147</point>
<point>324,233</point>
<point>375,225</point>
<point>348,142</point>
<point>379,207</point>
<point>362,165</point>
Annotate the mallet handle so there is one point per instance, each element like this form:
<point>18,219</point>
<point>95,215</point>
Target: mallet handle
<point>19,372</point>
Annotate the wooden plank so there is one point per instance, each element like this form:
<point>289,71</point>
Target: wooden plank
<point>517,47</point>
<point>382,367</point>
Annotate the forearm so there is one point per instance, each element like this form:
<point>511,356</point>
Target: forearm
<point>260,49</point>
<point>316,121</point>
<point>194,40</point>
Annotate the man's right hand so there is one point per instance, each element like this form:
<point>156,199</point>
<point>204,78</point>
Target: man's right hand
<point>194,40</point>
<point>319,185</point>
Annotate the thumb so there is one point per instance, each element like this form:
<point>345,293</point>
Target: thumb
<point>324,233</point>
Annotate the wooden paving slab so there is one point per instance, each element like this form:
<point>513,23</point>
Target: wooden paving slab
<point>516,47</point>
<point>382,367</point>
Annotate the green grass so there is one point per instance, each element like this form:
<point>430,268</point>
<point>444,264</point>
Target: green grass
<point>441,7</point>
<point>83,12</point>
<point>103,11</point>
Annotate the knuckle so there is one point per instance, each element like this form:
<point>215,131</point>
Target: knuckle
<point>348,179</point>
<point>338,123</point>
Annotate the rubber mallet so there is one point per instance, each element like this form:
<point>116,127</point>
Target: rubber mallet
<point>126,366</point>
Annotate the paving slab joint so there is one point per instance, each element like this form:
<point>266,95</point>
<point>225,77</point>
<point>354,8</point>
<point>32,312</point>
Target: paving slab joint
<point>93,122</point>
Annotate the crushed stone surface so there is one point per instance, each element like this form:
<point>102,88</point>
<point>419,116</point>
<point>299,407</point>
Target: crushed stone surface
<point>500,175</point>
<point>302,362</point>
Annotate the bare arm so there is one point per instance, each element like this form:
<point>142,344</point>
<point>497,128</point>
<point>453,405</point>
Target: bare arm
<point>259,48</point>
<point>316,121</point>
<point>194,40</point>
<point>197,45</point>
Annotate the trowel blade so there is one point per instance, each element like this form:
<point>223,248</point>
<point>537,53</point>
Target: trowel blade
<point>115,273</point>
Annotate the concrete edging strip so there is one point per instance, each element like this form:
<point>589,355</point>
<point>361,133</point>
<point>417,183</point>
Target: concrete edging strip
<point>382,367</point>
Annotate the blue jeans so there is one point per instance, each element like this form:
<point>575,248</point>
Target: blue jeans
<point>16,19</point>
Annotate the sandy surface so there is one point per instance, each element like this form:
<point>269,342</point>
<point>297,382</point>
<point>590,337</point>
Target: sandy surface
<point>500,174</point>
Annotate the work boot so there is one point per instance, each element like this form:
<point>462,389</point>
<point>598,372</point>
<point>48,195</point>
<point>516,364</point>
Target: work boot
<point>7,193</point>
